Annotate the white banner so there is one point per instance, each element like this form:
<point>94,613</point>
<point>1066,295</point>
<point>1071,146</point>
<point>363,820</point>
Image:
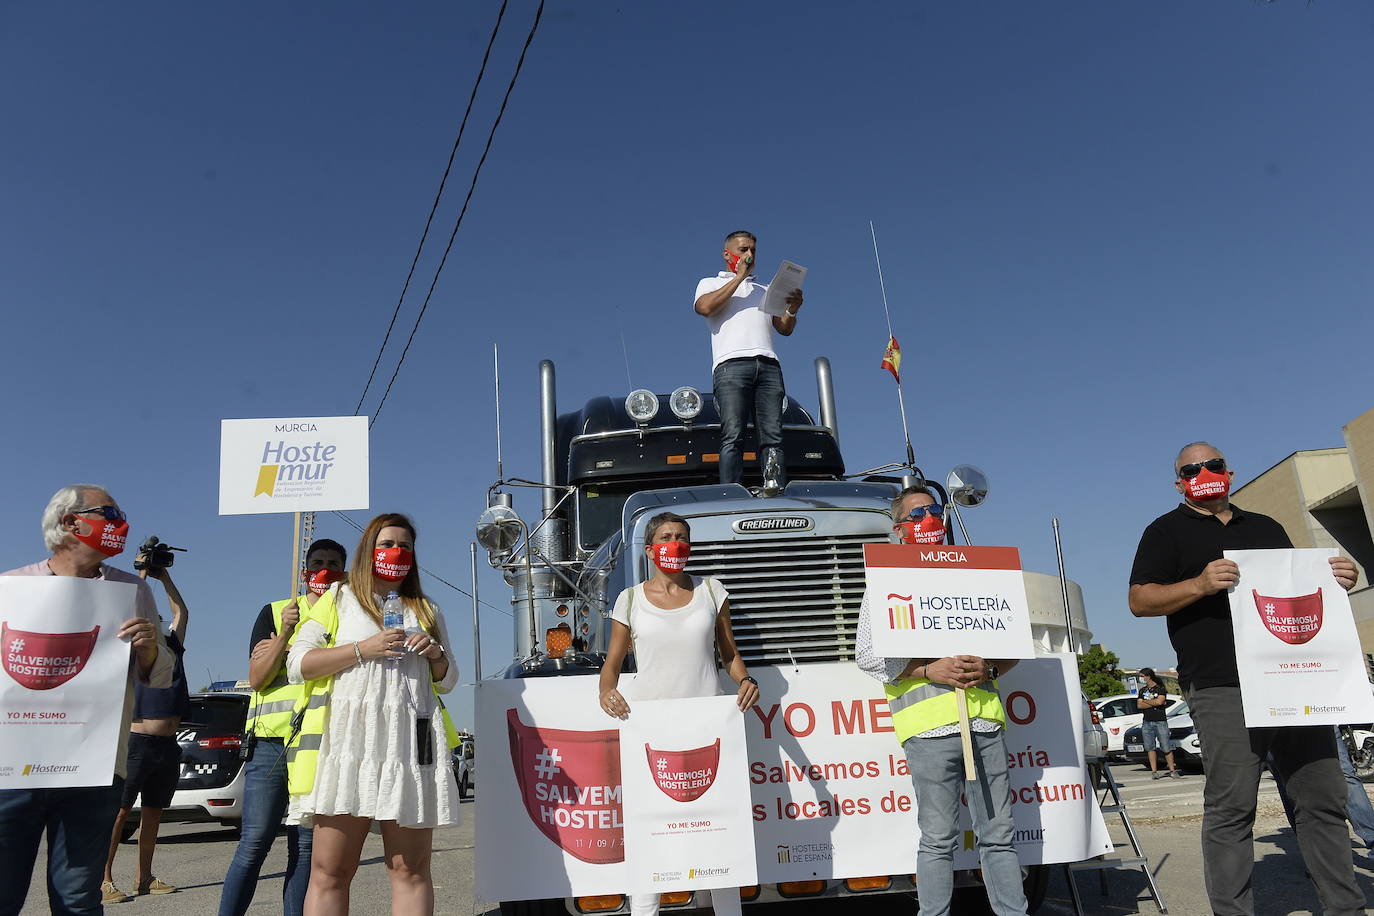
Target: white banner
<point>66,671</point>
<point>1297,650</point>
<point>934,601</point>
<point>312,464</point>
<point>830,793</point>
<point>684,766</point>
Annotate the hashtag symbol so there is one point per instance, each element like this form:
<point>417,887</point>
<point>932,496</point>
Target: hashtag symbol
<point>17,645</point>
<point>546,763</point>
<point>662,763</point>
<point>1269,608</point>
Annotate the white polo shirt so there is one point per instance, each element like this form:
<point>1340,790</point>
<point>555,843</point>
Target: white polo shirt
<point>741,327</point>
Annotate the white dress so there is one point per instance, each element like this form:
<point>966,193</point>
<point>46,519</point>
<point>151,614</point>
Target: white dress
<point>368,764</point>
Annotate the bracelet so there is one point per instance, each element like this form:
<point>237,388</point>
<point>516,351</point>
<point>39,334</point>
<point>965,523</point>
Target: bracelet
<point>750,679</point>
<point>791,314</point>
<point>357,653</point>
<point>442,653</point>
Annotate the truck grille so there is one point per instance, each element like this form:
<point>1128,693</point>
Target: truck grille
<point>790,598</point>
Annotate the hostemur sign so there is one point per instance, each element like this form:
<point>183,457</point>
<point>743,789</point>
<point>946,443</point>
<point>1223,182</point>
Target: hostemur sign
<point>293,465</point>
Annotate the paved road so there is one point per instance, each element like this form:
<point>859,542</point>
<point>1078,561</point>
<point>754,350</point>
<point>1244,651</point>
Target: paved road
<point>1166,814</point>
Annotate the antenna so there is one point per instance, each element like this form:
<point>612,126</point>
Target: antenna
<point>901,402</point>
<point>620,319</point>
<point>496,362</point>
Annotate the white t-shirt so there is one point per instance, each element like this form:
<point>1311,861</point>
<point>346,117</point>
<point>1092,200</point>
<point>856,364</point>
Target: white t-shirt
<point>675,650</point>
<point>741,327</point>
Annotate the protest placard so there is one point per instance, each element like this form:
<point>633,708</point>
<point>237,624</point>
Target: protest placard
<point>830,794</point>
<point>62,699</point>
<point>938,600</point>
<point>311,464</point>
<point>684,766</point>
<point>1297,650</point>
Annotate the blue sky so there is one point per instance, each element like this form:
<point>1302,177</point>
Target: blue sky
<point>1107,229</point>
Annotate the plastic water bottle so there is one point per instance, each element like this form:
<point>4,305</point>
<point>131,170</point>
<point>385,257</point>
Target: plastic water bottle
<point>393,615</point>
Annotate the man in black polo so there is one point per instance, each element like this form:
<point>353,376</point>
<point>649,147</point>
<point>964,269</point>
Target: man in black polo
<point>1179,573</point>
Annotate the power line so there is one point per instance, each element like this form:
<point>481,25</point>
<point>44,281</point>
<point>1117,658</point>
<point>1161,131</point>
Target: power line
<point>433,207</point>
<point>519,65</point>
<point>433,575</point>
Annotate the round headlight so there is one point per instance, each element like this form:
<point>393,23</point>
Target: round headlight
<point>685,403</point>
<point>642,405</point>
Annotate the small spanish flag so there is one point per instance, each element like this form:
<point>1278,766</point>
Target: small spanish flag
<point>892,359</point>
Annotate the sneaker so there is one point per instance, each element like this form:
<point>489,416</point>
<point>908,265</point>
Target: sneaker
<point>154,886</point>
<point>110,894</point>
<point>1175,774</point>
<point>1158,775</point>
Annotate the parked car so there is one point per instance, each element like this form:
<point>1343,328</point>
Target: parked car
<point>1187,749</point>
<point>1094,735</point>
<point>212,779</point>
<point>1119,714</point>
<point>465,766</point>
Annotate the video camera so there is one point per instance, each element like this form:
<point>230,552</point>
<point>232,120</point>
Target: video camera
<point>154,554</point>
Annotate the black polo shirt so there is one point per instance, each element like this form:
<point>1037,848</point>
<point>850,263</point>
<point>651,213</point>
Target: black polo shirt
<point>1177,546</point>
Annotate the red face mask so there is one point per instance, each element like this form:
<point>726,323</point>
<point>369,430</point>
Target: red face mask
<point>319,580</point>
<point>929,530</point>
<point>1207,485</point>
<point>392,564</point>
<point>732,262</point>
<point>105,536</point>
<point>671,556</point>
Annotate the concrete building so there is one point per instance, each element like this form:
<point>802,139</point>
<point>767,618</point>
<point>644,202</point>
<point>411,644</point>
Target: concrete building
<point>1325,498</point>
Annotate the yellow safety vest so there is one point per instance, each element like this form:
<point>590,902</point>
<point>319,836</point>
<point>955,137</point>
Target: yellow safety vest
<point>311,716</point>
<point>269,711</point>
<point>919,705</point>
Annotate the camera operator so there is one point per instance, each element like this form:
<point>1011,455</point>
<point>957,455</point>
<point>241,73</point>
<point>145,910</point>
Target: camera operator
<point>154,755</point>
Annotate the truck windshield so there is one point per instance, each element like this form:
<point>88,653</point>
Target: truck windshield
<point>598,511</point>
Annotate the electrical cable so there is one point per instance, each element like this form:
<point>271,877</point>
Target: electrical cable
<point>433,207</point>
<point>491,136</point>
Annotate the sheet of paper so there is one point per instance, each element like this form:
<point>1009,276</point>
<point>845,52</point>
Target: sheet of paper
<point>789,278</point>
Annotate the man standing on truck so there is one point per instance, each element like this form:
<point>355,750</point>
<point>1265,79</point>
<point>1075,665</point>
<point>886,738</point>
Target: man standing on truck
<point>745,373</point>
<point>1180,573</point>
<point>920,693</point>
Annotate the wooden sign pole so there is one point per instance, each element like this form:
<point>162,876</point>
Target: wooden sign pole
<point>965,735</point>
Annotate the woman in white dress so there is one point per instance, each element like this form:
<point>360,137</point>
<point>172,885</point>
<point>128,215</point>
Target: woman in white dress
<point>383,761</point>
<point>677,623</point>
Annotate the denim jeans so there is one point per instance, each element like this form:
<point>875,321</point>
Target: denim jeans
<point>1305,757</point>
<point>264,804</point>
<point>937,770</point>
<point>750,387</point>
<point>1357,807</point>
<point>1155,736</point>
<point>78,822</point>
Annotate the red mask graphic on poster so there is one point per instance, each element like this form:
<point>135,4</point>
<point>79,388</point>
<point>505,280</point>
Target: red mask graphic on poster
<point>684,775</point>
<point>1294,620</point>
<point>570,783</point>
<point>42,661</point>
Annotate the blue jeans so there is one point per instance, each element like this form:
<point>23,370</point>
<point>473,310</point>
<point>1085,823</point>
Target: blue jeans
<point>78,822</point>
<point>264,804</point>
<point>1357,806</point>
<point>1155,736</point>
<point>937,770</point>
<point>747,388</point>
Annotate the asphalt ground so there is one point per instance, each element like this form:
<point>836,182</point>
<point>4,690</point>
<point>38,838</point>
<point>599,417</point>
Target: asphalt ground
<point>1166,814</point>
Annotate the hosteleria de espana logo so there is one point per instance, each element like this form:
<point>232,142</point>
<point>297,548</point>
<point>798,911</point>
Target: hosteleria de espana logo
<point>42,661</point>
<point>1293,620</point>
<point>684,775</point>
<point>570,784</point>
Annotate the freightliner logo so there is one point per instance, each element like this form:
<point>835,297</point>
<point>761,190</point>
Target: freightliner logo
<point>765,523</point>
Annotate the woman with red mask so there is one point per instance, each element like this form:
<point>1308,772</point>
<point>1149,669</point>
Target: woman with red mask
<point>383,758</point>
<point>677,623</point>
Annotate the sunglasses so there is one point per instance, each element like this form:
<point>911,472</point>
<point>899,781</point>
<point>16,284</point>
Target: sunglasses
<point>920,512</point>
<point>1189,471</point>
<point>109,513</point>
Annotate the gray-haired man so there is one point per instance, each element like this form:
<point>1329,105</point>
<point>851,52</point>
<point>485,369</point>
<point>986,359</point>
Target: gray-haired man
<point>82,527</point>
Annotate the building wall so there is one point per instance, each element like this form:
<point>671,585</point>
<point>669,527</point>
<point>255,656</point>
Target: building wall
<point>1359,443</point>
<point>1277,493</point>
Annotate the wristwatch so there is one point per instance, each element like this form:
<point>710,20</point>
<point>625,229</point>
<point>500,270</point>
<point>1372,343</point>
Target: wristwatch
<point>993,672</point>
<point>750,679</point>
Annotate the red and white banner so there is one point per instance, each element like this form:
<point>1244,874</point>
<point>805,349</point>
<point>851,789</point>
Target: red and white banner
<point>933,601</point>
<point>684,767</point>
<point>66,671</point>
<point>830,794</point>
<point>1297,649</point>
